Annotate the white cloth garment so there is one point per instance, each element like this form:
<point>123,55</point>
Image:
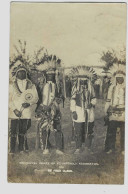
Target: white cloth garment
<point>22,84</point>
<point>48,93</point>
<point>22,95</point>
<point>80,110</point>
<point>116,98</point>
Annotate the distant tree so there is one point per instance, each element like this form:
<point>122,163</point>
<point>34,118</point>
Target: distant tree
<point>32,62</point>
<point>20,54</point>
<point>111,56</point>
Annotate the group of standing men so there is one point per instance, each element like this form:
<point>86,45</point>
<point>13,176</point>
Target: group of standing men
<point>23,105</point>
<point>24,99</point>
<point>83,103</point>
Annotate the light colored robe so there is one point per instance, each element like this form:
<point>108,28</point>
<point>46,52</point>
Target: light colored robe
<point>80,110</point>
<point>116,98</point>
<point>27,94</point>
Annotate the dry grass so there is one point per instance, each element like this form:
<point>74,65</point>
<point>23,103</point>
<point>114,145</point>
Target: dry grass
<point>109,171</point>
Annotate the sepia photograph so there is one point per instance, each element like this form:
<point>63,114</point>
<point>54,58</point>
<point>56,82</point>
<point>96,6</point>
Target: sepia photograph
<point>67,79</point>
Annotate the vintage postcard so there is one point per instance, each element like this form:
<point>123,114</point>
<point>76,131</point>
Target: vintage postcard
<point>67,93</point>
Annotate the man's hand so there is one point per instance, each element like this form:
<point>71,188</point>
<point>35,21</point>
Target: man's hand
<point>74,115</point>
<point>25,105</point>
<point>89,106</point>
<point>17,113</point>
<point>110,109</point>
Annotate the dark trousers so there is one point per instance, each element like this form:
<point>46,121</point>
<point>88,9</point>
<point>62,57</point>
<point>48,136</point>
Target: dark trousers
<point>111,135</point>
<point>19,127</point>
<point>97,91</point>
<point>80,134</point>
<point>58,136</point>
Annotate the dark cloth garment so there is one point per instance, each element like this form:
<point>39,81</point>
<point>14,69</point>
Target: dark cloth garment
<point>39,95</point>
<point>97,90</point>
<point>105,89</point>
<point>45,138</point>
<point>68,87</point>
<point>80,133</point>
<point>73,133</point>
<point>78,100</point>
<point>111,135</point>
<point>89,138</point>
<point>59,139</point>
<point>19,128</point>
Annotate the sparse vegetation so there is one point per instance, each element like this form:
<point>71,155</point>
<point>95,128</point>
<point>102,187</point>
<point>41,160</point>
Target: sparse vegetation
<point>111,56</point>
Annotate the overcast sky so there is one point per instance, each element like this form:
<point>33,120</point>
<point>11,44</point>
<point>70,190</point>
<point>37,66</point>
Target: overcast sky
<point>76,33</point>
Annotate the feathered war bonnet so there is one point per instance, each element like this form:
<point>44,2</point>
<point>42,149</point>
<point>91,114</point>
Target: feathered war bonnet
<point>81,73</point>
<point>117,70</point>
<point>17,65</point>
<point>49,66</point>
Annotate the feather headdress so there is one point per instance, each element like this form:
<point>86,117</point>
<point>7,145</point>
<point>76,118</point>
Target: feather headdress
<point>117,69</point>
<point>20,59</point>
<point>48,63</point>
<point>82,71</point>
<point>17,65</point>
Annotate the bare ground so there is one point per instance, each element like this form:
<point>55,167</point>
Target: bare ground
<point>87,168</point>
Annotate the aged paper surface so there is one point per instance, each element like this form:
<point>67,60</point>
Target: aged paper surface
<point>67,93</point>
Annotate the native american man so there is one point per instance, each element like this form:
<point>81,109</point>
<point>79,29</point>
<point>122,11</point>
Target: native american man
<point>23,101</point>
<point>51,120</point>
<point>82,106</point>
<point>115,108</point>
